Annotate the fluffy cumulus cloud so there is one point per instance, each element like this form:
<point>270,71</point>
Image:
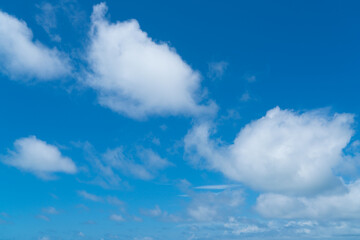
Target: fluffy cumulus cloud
<point>344,205</point>
<point>23,58</point>
<point>38,157</point>
<point>282,152</point>
<point>136,76</point>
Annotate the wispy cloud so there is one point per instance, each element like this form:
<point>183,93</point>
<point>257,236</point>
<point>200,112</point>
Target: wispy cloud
<point>90,196</point>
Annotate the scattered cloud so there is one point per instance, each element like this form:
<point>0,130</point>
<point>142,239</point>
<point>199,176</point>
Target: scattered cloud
<point>216,187</point>
<point>116,218</point>
<point>47,19</point>
<point>90,196</point>
<point>157,212</point>
<point>136,76</point>
<point>238,228</point>
<point>50,210</point>
<point>44,238</point>
<point>43,217</point>
<point>22,58</point>
<point>114,201</point>
<point>250,78</point>
<point>145,168</point>
<point>245,97</point>
<point>140,163</point>
<point>217,69</point>
<point>343,205</point>
<point>284,151</point>
<point>38,157</point>
<point>212,206</point>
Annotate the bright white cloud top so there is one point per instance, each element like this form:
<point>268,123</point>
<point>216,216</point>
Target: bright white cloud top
<point>284,151</point>
<point>22,58</point>
<point>136,76</point>
<point>38,157</point>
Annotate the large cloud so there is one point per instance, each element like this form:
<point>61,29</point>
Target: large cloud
<point>33,155</point>
<point>284,151</point>
<point>20,57</point>
<point>136,76</point>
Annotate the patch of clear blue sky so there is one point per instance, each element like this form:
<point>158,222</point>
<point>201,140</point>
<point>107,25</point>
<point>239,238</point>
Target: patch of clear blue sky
<point>304,55</point>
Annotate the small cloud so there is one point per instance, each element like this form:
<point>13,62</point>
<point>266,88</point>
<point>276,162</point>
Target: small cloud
<point>81,234</point>
<point>184,195</point>
<point>250,78</point>
<point>217,69</point>
<point>114,201</point>
<point>158,213</point>
<point>90,196</point>
<point>44,238</point>
<point>137,219</point>
<point>202,213</point>
<point>245,97</point>
<point>38,157</point>
<point>89,222</point>
<point>216,187</point>
<point>43,217</point>
<point>163,127</point>
<point>54,196</point>
<point>47,20</point>
<point>156,141</point>
<point>50,210</point>
<point>23,58</point>
<point>153,212</point>
<point>117,218</point>
<point>238,228</point>
<point>82,206</point>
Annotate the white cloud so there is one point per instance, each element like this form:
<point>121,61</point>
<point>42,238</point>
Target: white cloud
<point>157,212</point>
<point>238,228</point>
<point>22,58</point>
<point>136,76</point>
<point>154,212</point>
<point>202,213</point>
<point>90,196</point>
<point>117,218</point>
<point>345,205</point>
<point>207,205</point>
<point>38,157</point>
<point>284,151</point>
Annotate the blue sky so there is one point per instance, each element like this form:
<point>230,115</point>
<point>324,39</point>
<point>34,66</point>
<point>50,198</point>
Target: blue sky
<point>143,120</point>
